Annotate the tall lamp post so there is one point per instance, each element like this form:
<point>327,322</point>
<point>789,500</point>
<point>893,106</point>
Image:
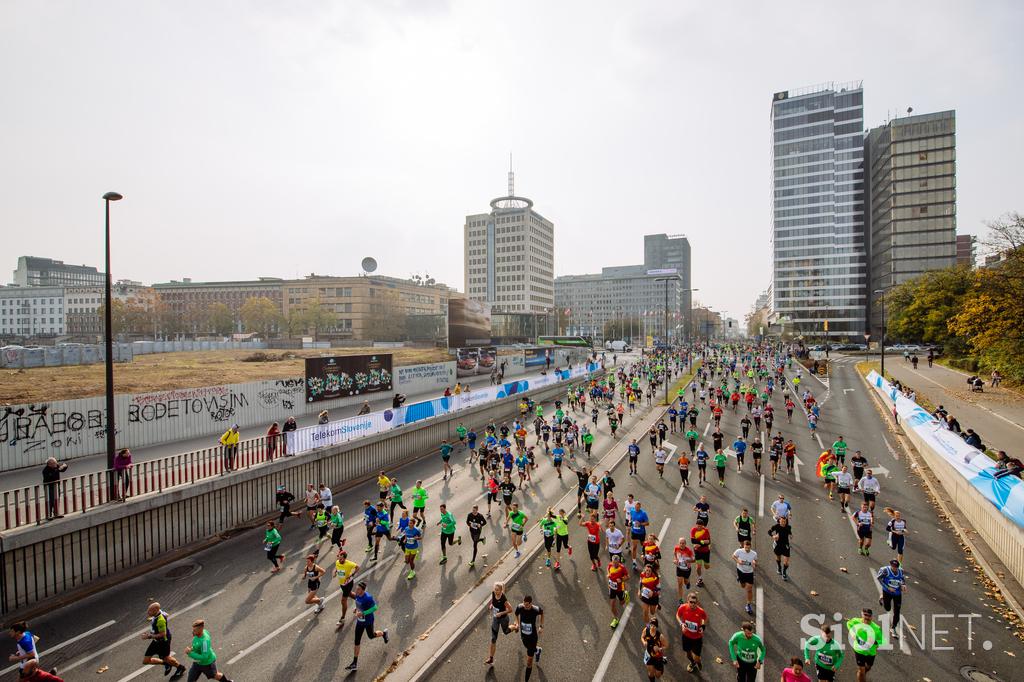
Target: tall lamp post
<point>666,280</point>
<point>882,342</point>
<point>108,340</point>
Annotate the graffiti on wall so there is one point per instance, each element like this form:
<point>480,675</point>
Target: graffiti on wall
<point>284,393</point>
<point>218,402</point>
<point>37,427</point>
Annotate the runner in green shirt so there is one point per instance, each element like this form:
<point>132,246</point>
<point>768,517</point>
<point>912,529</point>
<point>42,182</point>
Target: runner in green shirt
<point>396,496</point>
<point>204,659</point>
<point>548,524</point>
<point>561,537</point>
<point>827,656</point>
<point>865,638</point>
<point>720,460</point>
<point>691,438</point>
<point>447,524</point>
<point>746,651</point>
<point>588,442</point>
<point>839,448</point>
<point>419,502</point>
<point>461,432</point>
<point>271,543</point>
<point>517,524</point>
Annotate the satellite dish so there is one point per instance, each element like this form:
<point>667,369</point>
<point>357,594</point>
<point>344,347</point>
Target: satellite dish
<point>369,264</point>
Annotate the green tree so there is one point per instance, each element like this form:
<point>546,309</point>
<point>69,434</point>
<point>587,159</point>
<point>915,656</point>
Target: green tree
<point>318,318</point>
<point>260,315</point>
<point>220,319</point>
<point>919,309</point>
<point>386,319</point>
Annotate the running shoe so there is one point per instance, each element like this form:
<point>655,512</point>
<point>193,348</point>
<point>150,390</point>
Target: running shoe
<point>384,634</point>
<point>615,623</point>
<point>536,656</point>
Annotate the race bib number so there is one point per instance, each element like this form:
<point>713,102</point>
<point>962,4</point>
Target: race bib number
<point>646,592</point>
<point>526,628</point>
<point>592,539</point>
<point>516,526</point>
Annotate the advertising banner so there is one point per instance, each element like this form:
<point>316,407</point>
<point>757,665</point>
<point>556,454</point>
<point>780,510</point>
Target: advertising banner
<point>1005,492</point>
<point>473,361</point>
<point>347,375</point>
<point>469,323</point>
<point>538,357</point>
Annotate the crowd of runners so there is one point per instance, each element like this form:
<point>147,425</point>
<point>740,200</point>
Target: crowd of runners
<point>508,457</point>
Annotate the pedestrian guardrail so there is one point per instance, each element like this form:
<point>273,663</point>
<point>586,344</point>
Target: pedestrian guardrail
<point>36,504</point>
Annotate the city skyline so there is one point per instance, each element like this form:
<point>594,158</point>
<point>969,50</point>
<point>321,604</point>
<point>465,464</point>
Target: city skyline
<point>324,129</point>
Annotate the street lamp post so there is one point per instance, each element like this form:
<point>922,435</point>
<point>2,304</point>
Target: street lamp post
<point>108,340</point>
<point>882,342</point>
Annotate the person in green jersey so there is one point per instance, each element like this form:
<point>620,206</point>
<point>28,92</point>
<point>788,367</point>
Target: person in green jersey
<point>461,432</point>
<point>539,411</point>
<point>271,543</point>
<point>839,448</point>
<point>588,442</point>
<point>320,519</point>
<point>691,438</point>
<point>396,496</point>
<point>865,638</point>
<point>204,659</point>
<point>337,527</point>
<point>746,650</point>
<point>548,525</point>
<point>720,460</point>
<point>419,502</point>
<point>517,524</point>
<point>822,652</point>
<point>561,537</point>
<point>447,524</point>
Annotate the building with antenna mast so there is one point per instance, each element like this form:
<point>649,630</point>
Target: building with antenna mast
<point>509,255</point>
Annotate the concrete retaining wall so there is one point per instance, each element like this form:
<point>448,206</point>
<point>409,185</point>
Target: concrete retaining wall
<point>1004,537</point>
<point>43,563</point>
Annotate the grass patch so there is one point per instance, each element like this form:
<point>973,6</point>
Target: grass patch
<point>683,380</point>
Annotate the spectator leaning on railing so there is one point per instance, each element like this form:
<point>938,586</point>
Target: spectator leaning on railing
<point>273,439</point>
<point>229,441</point>
<point>123,472</point>
<point>289,426</point>
<point>51,481</point>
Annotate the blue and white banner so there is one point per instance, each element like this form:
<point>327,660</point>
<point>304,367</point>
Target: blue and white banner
<point>345,430</point>
<point>1005,492</point>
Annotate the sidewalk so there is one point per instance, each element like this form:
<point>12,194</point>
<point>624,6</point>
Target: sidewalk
<point>996,415</point>
<point>94,463</point>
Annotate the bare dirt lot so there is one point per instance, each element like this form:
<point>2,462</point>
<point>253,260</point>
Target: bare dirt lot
<point>164,371</point>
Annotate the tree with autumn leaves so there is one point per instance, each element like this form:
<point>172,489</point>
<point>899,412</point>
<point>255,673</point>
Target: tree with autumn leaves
<point>971,313</point>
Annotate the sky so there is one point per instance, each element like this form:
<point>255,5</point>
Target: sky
<point>268,138</point>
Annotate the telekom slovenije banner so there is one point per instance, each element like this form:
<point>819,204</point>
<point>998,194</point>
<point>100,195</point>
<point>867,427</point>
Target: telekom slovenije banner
<point>1005,492</point>
<point>344,430</point>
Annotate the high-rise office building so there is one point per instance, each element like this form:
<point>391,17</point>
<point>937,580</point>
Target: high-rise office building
<point>911,164</point>
<point>819,254</point>
<point>668,252</point>
<point>966,250</point>
<point>46,272</point>
<point>509,256</point>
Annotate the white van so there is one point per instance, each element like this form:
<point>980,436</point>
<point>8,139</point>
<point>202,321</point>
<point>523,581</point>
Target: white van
<point>617,346</point>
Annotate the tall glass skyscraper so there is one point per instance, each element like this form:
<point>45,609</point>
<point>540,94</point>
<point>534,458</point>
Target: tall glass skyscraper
<point>819,255</point>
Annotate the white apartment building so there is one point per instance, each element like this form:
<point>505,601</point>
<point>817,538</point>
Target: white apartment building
<point>509,256</point>
<point>32,311</point>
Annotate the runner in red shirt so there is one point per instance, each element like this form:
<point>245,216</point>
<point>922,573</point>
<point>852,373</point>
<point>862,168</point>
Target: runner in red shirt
<point>611,507</point>
<point>618,595</point>
<point>692,621</point>
<point>593,540</point>
<point>700,538</point>
<point>683,557</point>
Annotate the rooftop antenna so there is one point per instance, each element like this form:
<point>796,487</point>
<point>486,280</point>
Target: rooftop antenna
<point>511,177</point>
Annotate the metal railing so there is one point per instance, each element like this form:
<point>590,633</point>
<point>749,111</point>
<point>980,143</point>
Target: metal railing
<point>36,504</point>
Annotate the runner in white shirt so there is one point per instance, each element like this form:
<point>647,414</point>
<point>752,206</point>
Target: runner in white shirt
<point>870,486</point>
<point>659,461</point>
<point>844,483</point>
<point>326,497</point>
<point>615,539</point>
<point>781,508</point>
<point>746,562</point>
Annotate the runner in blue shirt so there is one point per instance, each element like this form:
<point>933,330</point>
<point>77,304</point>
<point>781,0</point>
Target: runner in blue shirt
<point>893,583</point>
<point>638,522</point>
<point>634,455</point>
<point>365,608</point>
<point>412,548</point>
<point>740,446</point>
<point>557,453</point>
<point>370,521</point>
<point>446,454</point>
<point>702,466</point>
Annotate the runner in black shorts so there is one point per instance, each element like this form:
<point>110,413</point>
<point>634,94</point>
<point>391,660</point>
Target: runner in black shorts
<point>501,609</point>
<point>527,616</point>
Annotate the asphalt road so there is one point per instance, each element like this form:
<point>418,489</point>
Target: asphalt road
<point>828,577</point>
<point>260,627</point>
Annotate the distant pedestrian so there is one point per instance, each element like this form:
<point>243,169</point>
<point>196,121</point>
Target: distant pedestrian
<point>365,409</point>
<point>229,442</point>
<point>123,472</point>
<point>397,401</point>
<point>323,417</point>
<point>273,440</point>
<point>290,425</point>
<point>51,481</point>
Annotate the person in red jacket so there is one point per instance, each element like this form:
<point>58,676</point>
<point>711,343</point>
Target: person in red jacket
<point>34,673</point>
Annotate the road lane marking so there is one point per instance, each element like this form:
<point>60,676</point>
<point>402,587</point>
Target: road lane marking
<point>706,427</point>
<point>679,494</point>
<point>58,647</point>
<point>796,468</point>
<point>606,660</point>
<point>135,635</point>
<point>141,670</point>
<point>760,498</point>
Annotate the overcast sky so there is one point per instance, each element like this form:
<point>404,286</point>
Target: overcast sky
<point>284,138</point>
